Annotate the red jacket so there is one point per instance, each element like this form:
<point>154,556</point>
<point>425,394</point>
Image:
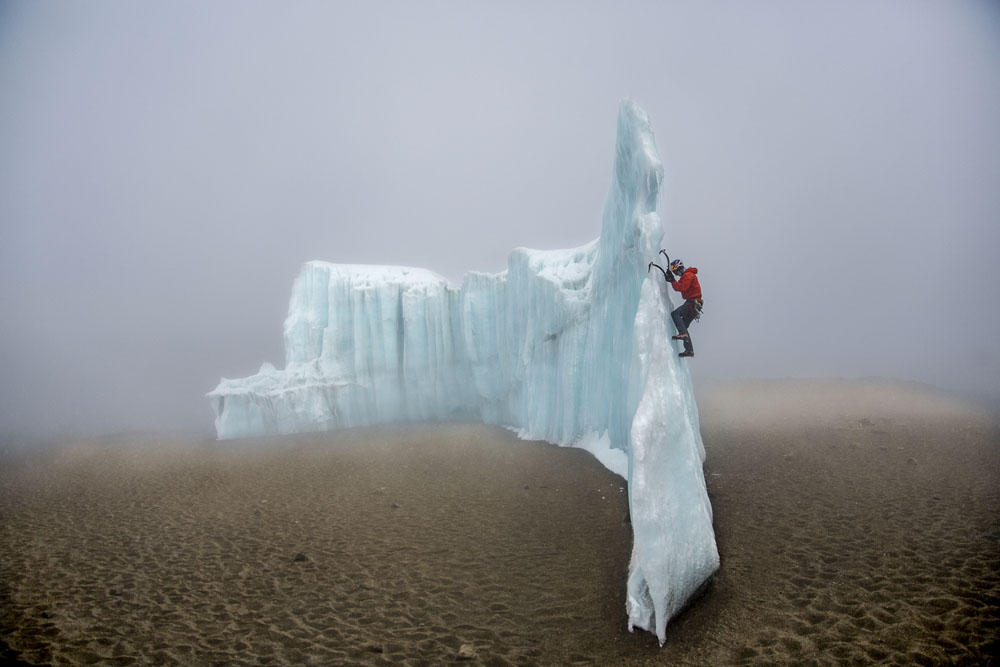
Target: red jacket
<point>688,284</point>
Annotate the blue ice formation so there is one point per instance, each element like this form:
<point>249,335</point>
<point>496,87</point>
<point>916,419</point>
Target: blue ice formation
<point>569,346</point>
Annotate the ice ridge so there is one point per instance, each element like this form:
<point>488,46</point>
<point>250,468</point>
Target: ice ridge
<point>568,346</point>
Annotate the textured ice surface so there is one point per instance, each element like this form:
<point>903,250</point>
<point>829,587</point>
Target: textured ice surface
<point>569,346</point>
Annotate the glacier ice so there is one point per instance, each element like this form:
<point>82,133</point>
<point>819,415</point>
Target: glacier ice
<point>568,346</point>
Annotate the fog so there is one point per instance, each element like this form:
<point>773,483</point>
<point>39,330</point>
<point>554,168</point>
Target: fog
<point>833,171</point>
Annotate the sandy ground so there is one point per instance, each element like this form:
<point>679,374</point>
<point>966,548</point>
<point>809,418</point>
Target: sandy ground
<point>857,523</point>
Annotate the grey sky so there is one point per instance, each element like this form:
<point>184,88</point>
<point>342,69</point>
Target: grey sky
<point>833,169</point>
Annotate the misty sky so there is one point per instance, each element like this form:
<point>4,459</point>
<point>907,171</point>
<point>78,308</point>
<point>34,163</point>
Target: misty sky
<point>833,169</point>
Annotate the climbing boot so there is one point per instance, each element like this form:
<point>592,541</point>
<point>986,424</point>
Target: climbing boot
<point>686,353</point>
<point>680,337</point>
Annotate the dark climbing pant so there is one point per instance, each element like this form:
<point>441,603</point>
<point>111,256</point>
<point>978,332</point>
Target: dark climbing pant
<point>683,316</point>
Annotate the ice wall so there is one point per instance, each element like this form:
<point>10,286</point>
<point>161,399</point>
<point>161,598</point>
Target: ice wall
<point>569,346</point>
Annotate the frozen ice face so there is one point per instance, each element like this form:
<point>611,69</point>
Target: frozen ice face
<point>569,346</point>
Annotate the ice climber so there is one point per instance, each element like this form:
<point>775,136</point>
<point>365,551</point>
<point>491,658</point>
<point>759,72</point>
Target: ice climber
<point>687,284</point>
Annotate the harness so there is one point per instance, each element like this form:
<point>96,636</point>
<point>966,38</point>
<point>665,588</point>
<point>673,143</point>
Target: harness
<point>699,305</point>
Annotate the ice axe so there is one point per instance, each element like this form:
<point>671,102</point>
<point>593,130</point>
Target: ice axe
<point>666,276</point>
